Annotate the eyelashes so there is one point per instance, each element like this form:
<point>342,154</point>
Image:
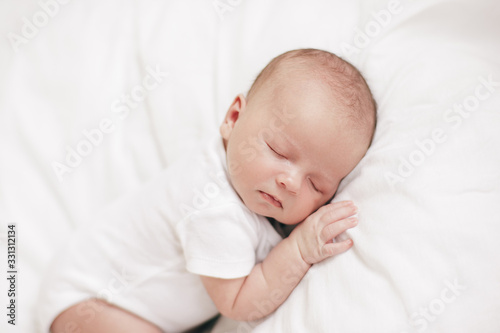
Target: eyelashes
<point>283,156</point>
<point>315,188</point>
<point>274,150</point>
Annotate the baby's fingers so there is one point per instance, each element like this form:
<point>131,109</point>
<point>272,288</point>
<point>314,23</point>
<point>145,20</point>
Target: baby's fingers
<point>336,228</point>
<point>336,212</point>
<point>332,249</point>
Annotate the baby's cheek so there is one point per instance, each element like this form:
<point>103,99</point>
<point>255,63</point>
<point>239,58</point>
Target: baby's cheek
<point>299,213</point>
<point>314,206</point>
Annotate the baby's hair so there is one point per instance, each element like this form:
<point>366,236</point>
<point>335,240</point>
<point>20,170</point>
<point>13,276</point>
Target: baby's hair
<point>347,85</point>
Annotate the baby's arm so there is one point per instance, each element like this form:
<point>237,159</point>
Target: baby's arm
<point>270,282</point>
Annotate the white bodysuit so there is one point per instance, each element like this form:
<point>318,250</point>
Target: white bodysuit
<point>145,254</point>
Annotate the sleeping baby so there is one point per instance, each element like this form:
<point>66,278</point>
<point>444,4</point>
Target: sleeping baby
<point>195,241</point>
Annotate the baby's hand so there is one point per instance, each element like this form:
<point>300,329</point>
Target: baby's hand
<point>314,235</point>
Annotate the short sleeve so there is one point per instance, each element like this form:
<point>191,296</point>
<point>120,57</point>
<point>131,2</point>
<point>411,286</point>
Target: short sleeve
<point>220,242</point>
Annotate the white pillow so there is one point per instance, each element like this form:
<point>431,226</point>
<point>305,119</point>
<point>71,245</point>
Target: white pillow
<point>426,247</point>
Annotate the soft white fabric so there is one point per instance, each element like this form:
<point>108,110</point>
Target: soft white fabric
<point>225,241</point>
<point>145,253</point>
<point>439,227</point>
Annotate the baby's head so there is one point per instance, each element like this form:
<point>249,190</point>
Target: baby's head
<point>306,122</point>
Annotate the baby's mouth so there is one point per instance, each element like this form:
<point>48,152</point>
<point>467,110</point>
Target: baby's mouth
<point>271,199</point>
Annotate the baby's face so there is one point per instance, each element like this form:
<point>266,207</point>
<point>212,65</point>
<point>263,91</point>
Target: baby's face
<point>287,155</point>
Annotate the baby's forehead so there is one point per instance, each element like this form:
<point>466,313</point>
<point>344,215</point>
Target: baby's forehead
<point>294,79</point>
<point>307,91</point>
<point>304,81</point>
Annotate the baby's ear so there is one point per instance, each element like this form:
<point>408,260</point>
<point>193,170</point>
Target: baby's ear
<point>232,116</point>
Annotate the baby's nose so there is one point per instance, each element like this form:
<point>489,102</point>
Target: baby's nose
<point>289,182</point>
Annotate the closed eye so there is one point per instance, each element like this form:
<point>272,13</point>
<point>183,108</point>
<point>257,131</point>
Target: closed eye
<point>314,187</point>
<point>274,150</point>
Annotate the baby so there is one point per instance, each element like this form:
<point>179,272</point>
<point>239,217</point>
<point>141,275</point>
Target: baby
<point>195,241</point>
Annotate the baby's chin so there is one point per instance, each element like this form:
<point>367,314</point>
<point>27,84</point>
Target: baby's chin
<point>278,217</point>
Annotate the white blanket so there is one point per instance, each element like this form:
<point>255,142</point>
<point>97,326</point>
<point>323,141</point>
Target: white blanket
<point>99,96</point>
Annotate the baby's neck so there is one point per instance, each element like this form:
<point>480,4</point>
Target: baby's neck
<point>282,229</point>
